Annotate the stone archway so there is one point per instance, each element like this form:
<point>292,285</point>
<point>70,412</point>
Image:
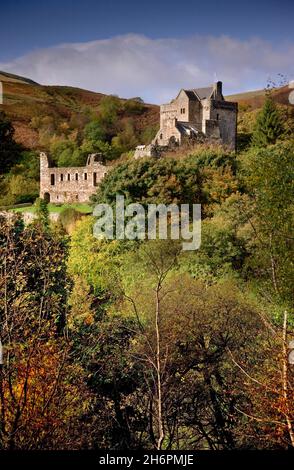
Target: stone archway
<point>47,197</point>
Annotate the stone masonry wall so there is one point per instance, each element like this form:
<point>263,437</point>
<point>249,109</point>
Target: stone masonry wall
<point>75,184</point>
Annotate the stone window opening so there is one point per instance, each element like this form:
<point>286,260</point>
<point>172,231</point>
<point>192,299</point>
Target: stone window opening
<point>160,136</point>
<point>52,178</point>
<point>95,183</point>
<point>217,117</point>
<point>77,176</point>
<point>68,177</point>
<point>85,176</point>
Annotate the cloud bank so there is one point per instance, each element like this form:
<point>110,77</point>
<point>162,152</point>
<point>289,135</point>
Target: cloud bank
<point>155,69</point>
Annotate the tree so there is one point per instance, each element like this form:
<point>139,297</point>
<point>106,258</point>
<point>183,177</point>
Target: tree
<point>42,213</point>
<point>150,180</point>
<point>41,390</point>
<point>191,391</point>
<point>269,125</point>
<point>93,131</point>
<point>269,175</point>
<point>9,149</point>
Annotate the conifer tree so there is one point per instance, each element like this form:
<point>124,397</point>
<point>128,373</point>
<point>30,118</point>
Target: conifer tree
<point>269,125</point>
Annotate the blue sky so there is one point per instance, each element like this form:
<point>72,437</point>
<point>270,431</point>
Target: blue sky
<point>148,48</point>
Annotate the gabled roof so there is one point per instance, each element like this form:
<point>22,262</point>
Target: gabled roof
<point>198,93</point>
<point>203,93</point>
<point>191,94</point>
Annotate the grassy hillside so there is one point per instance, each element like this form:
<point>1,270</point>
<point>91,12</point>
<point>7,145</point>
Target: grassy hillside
<point>255,99</point>
<point>64,112</point>
<point>25,100</point>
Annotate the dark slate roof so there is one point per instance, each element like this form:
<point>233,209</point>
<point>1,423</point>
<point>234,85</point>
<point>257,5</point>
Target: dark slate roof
<point>191,94</point>
<point>203,92</point>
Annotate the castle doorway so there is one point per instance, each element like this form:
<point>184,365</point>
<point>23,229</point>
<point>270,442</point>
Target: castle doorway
<point>47,197</point>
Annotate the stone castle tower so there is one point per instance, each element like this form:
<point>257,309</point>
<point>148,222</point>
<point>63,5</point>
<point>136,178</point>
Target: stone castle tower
<point>198,111</point>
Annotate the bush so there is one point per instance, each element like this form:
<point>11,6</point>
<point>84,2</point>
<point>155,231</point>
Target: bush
<point>68,218</point>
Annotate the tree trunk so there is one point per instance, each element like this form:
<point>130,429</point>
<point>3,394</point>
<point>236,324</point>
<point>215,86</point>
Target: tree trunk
<point>285,380</point>
<point>158,371</point>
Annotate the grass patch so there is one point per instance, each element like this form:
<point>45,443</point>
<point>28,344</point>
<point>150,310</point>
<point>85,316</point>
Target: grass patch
<point>80,207</point>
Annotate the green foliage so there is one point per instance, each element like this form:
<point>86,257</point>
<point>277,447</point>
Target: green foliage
<point>98,146</point>
<point>152,181</point>
<point>222,251</point>
<point>68,218</point>
<point>93,131</point>
<point>9,149</point>
<point>96,260</point>
<point>269,125</point>
<point>148,134</point>
<point>28,165</point>
<point>134,107</point>
<point>42,213</point>
<point>126,139</point>
<point>66,153</point>
<point>269,177</point>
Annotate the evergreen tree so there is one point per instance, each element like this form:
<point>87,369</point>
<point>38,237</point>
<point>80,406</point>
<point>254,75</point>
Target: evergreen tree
<point>42,212</point>
<point>269,125</point>
<point>9,149</point>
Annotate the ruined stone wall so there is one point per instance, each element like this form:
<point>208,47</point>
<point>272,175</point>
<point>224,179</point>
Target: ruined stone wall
<point>142,151</point>
<point>75,184</point>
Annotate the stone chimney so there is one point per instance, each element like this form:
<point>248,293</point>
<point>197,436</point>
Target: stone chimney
<point>218,90</point>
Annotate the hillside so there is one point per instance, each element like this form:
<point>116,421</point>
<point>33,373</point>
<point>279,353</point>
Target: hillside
<point>25,100</point>
<point>254,99</point>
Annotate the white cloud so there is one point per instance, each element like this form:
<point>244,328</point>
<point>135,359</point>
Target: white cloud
<point>155,69</point>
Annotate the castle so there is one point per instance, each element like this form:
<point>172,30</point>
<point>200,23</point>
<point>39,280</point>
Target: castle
<point>201,114</point>
<point>75,184</point>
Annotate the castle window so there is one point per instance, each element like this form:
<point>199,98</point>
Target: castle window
<point>77,176</point>
<point>68,177</point>
<point>160,136</point>
<point>52,178</point>
<point>61,177</point>
<point>217,117</point>
<point>95,183</point>
<point>85,176</point>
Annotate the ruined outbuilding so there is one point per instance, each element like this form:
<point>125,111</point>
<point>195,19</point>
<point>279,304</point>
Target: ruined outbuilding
<point>75,184</point>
